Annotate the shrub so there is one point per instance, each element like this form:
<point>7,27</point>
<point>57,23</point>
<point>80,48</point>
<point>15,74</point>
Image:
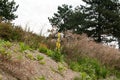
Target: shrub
<point>4,45</point>
<point>39,57</point>
<point>10,32</point>
<point>24,47</point>
<point>30,56</point>
<point>43,48</point>
<point>50,52</point>
<point>90,68</point>
<point>57,56</point>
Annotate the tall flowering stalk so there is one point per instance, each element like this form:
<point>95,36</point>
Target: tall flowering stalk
<point>58,45</point>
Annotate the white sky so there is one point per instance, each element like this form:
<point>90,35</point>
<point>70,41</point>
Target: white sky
<point>35,13</point>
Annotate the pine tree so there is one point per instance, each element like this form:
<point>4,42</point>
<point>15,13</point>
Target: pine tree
<point>67,19</point>
<point>7,9</point>
<point>102,17</point>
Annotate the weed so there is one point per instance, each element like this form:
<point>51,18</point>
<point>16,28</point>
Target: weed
<point>39,57</point>
<point>8,44</point>
<point>49,52</point>
<point>77,78</point>
<point>5,54</point>
<point>57,56</point>
<point>30,56</point>
<point>43,49</point>
<point>90,68</point>
<point>5,44</point>
<point>24,47</point>
<point>42,62</point>
<point>61,67</point>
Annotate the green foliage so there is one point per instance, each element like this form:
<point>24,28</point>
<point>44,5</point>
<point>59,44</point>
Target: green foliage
<point>3,49</point>
<point>30,56</point>
<point>43,49</point>
<point>77,78</point>
<point>24,47</point>
<point>50,52</point>
<point>5,54</point>
<point>107,16</point>
<point>96,18</point>
<point>10,32</point>
<point>90,69</point>
<point>39,57</point>
<point>57,56</point>
<point>61,67</point>
<point>42,62</point>
<point>67,19</point>
<point>7,9</point>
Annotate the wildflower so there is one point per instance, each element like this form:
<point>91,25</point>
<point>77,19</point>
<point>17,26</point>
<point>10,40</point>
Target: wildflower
<point>58,45</point>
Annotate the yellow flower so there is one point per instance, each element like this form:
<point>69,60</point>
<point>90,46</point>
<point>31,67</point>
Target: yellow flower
<point>58,45</point>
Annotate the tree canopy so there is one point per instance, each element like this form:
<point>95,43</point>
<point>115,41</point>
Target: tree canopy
<point>96,18</point>
<point>7,9</point>
<point>66,18</point>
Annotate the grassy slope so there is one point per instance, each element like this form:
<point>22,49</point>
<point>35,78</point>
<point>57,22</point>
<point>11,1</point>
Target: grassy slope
<point>78,51</point>
<point>19,61</point>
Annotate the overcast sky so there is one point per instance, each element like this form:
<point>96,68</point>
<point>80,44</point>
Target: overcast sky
<point>35,13</point>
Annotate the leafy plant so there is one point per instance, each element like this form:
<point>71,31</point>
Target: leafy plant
<point>61,67</point>
<point>5,54</point>
<point>57,56</point>
<point>24,47</point>
<point>30,56</point>
<point>39,57</point>
<point>89,68</point>
<point>42,62</point>
<point>43,49</point>
<point>49,52</point>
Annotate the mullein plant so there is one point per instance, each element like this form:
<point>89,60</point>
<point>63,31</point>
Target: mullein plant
<point>58,45</point>
<point>57,55</point>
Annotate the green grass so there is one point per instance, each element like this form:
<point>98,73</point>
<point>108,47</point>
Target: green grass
<point>56,55</point>
<point>30,56</point>
<point>24,47</point>
<point>39,57</point>
<point>91,69</point>
<point>4,45</point>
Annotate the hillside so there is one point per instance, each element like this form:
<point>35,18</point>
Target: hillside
<point>18,63</point>
<point>25,55</point>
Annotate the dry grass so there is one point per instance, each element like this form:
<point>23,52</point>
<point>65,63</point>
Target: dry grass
<point>31,69</point>
<point>80,45</point>
<point>17,34</point>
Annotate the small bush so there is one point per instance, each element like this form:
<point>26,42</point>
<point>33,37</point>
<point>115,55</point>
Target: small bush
<point>10,32</point>
<point>57,56</point>
<point>30,56</point>
<point>5,55</point>
<point>43,48</point>
<point>90,68</point>
<point>24,47</point>
<point>61,67</point>
<point>39,57</point>
<point>50,52</point>
<point>4,45</point>
<point>42,62</point>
